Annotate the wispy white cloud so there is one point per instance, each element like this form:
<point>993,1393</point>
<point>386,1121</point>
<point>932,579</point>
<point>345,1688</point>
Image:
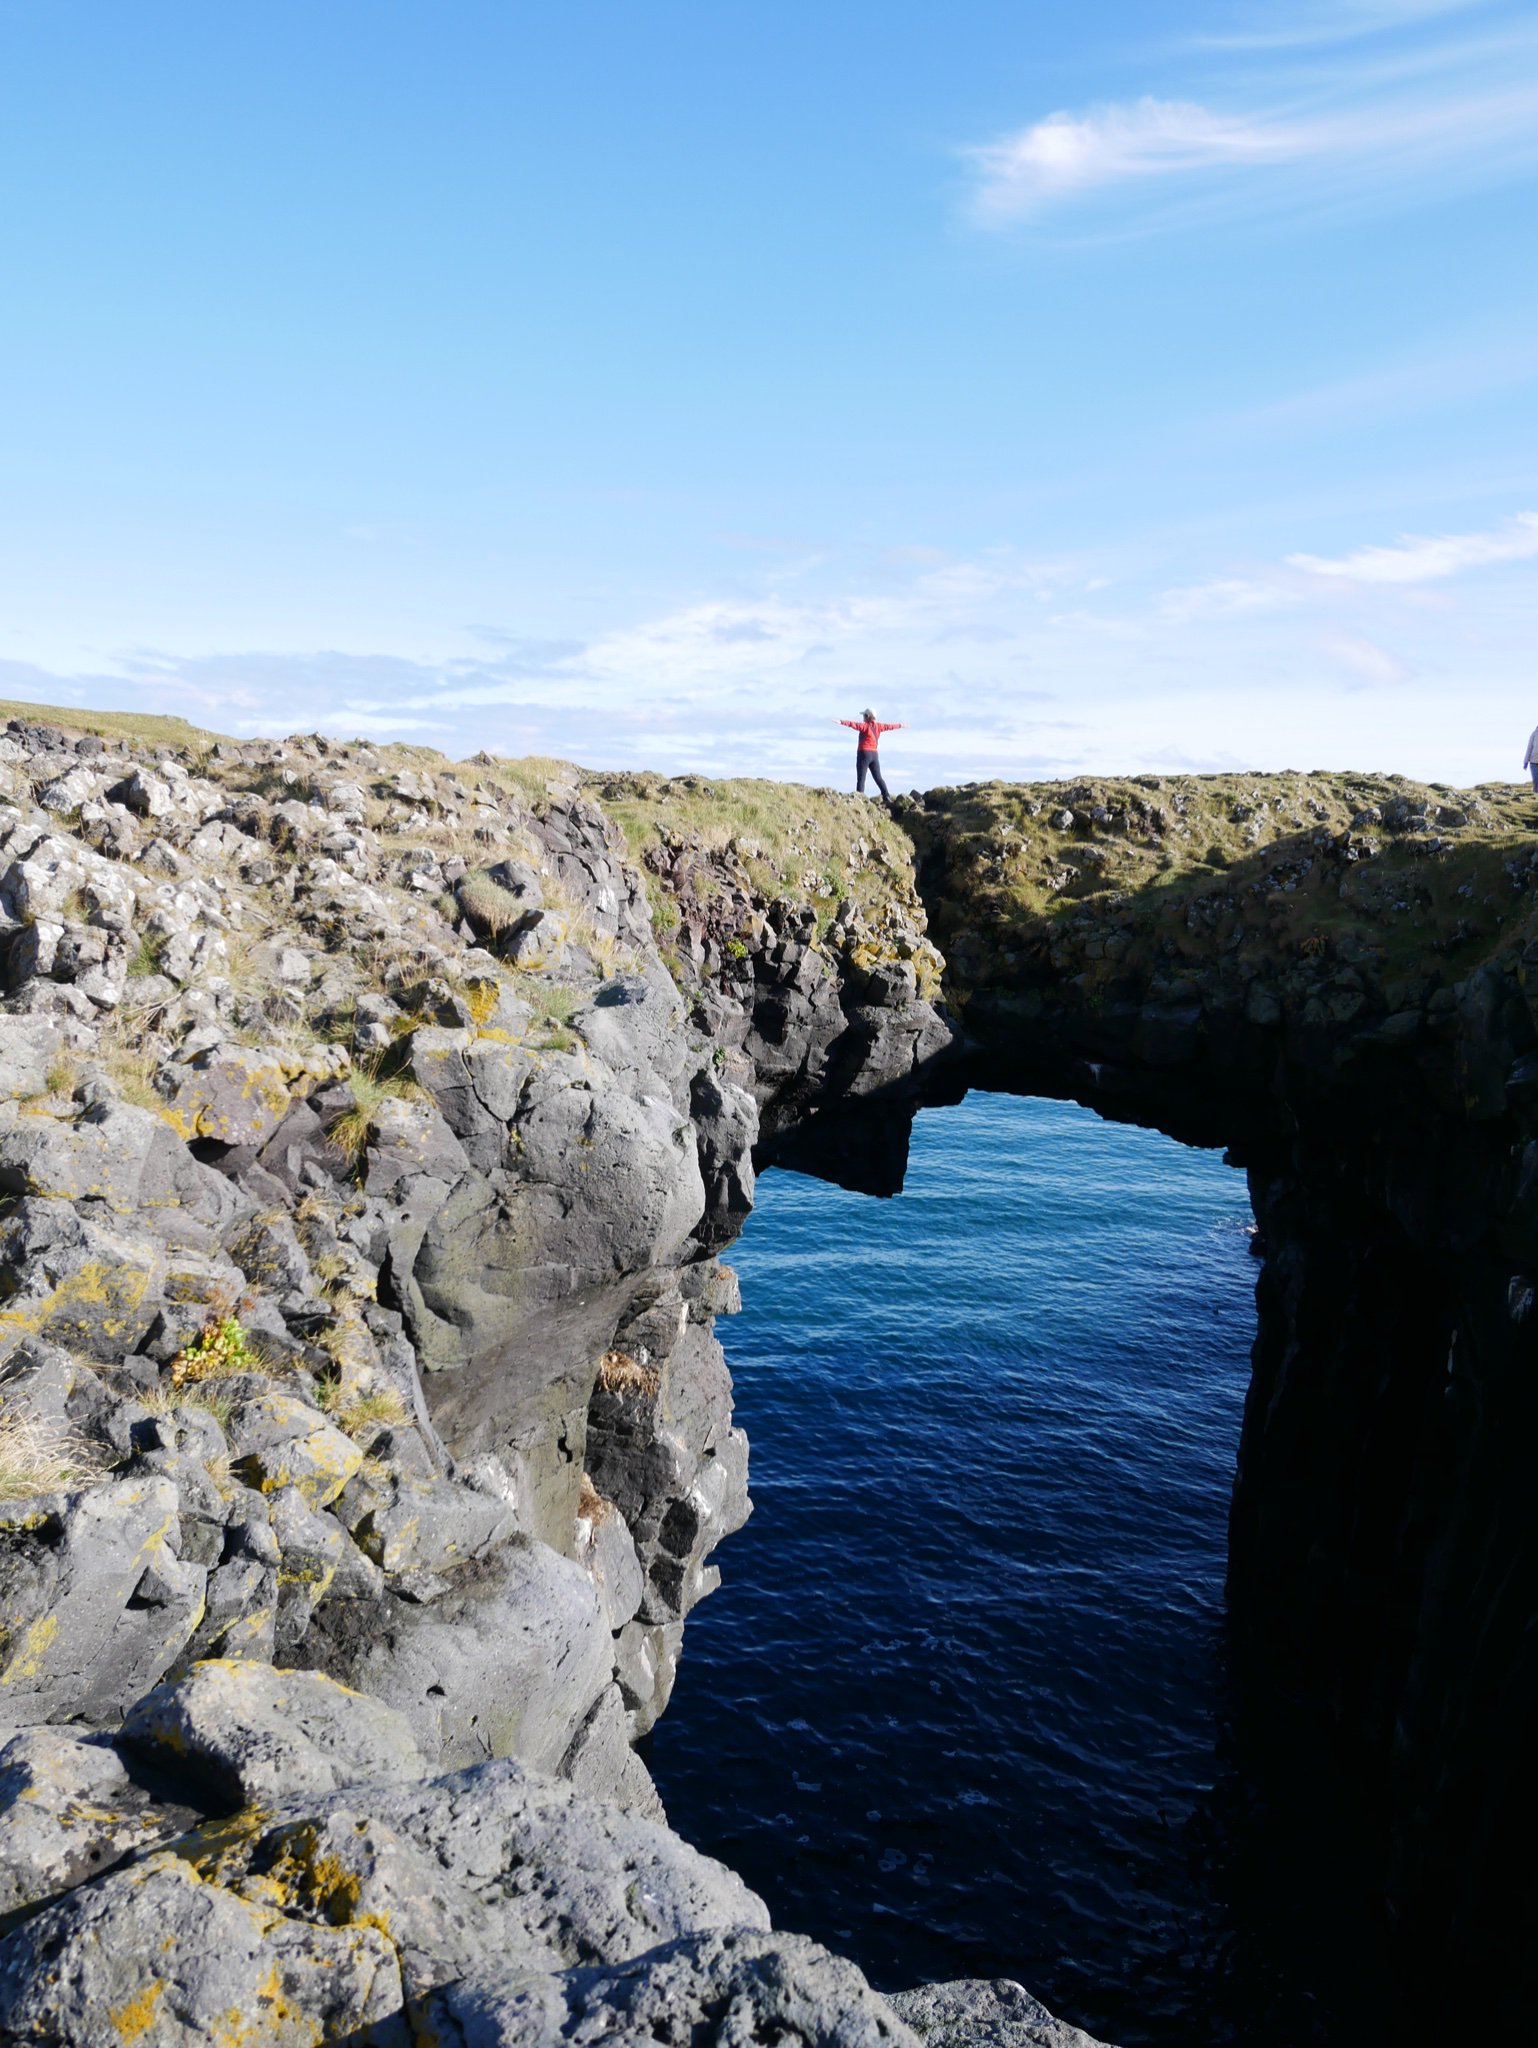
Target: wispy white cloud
<point>1428,558</point>
<point>1293,27</point>
<point>1381,118</point>
<point>1225,597</point>
<point>1280,661</point>
<point>1068,154</point>
<point>1364,658</point>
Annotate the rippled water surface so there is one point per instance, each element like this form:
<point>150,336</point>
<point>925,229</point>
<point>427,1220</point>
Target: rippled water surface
<point>955,1709</point>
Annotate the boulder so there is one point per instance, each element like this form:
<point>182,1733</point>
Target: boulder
<point>348,1868</point>
<point>562,1879</point>
<point>70,1810</point>
<point>711,1990</point>
<point>409,1524</point>
<point>248,1735</point>
<point>75,1282</point>
<point>280,1441</point>
<point>153,1953</point>
<point>239,1094</point>
<point>979,2012</point>
<point>539,944</point>
<point>96,1603</point>
<point>119,1155</point>
<point>28,1048</point>
<point>505,1659</point>
<point>311,1551</point>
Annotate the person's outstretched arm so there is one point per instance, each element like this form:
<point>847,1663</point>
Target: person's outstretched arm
<point>891,728</point>
<point>854,723</point>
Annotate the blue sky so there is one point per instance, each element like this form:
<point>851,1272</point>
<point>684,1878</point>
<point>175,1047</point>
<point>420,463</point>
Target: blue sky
<point>1097,388</point>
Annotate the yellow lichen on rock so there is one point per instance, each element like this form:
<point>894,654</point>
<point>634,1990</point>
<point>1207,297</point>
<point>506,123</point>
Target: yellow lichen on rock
<point>133,2020</point>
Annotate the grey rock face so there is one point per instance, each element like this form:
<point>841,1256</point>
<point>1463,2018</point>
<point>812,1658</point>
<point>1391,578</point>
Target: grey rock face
<point>565,1879</point>
<point>600,1762</point>
<point>339,1159</point>
<point>660,1446</point>
<point>153,1953</point>
<point>981,2012</point>
<point>96,1602</point>
<point>716,1990</point>
<point>505,1659</point>
<point>76,1282</point>
<point>246,1735</point>
<point>70,1810</point>
<point>28,1046</point>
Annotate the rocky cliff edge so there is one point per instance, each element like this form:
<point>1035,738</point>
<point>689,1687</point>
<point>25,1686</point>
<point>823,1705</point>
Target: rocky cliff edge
<point>369,1127</point>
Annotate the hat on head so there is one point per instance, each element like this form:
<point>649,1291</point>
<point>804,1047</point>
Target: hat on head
<point>867,713</point>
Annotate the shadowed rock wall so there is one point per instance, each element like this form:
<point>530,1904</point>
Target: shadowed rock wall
<point>1341,996</point>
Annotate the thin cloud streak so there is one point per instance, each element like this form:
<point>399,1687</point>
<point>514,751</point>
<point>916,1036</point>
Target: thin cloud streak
<point>1067,156</point>
<point>1430,558</point>
<point>1432,105</point>
<point>1349,22</point>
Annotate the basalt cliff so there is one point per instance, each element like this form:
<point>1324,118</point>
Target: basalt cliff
<point>370,1129</point>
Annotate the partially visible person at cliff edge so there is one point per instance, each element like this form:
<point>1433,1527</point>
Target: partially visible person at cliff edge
<point>1529,759</point>
<point>867,761</point>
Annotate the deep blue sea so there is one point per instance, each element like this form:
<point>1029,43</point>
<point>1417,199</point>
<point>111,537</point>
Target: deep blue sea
<point>957,1709</point>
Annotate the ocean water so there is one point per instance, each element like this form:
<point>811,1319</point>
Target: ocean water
<point>958,1707</point>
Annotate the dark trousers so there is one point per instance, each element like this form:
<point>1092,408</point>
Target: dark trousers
<point>868,762</point>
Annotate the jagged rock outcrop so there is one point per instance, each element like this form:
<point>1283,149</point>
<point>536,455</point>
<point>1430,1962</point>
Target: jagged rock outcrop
<point>363,1163</point>
<point>314,1884</point>
<point>351,1120</point>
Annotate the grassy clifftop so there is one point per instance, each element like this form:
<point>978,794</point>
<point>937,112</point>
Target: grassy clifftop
<point>1099,878</point>
<point>1078,881</point>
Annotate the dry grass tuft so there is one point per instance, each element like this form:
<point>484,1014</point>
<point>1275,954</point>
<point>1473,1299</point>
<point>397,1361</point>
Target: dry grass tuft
<point>591,1505</point>
<point>370,1408</point>
<point>38,1456</point>
<point>489,906</point>
<point>355,1408</point>
<point>165,1400</point>
<point>619,1373</point>
<point>371,1084</point>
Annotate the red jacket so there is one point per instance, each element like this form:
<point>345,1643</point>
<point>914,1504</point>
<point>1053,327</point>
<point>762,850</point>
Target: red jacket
<point>870,731</point>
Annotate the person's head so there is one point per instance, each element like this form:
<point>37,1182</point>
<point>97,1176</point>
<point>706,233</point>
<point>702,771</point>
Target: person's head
<point>867,713</point>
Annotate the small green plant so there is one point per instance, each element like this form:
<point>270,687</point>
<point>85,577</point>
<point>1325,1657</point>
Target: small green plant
<point>220,1348</point>
<point>146,957</point>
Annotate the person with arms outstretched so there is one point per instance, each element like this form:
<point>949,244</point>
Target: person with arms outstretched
<point>867,760</point>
